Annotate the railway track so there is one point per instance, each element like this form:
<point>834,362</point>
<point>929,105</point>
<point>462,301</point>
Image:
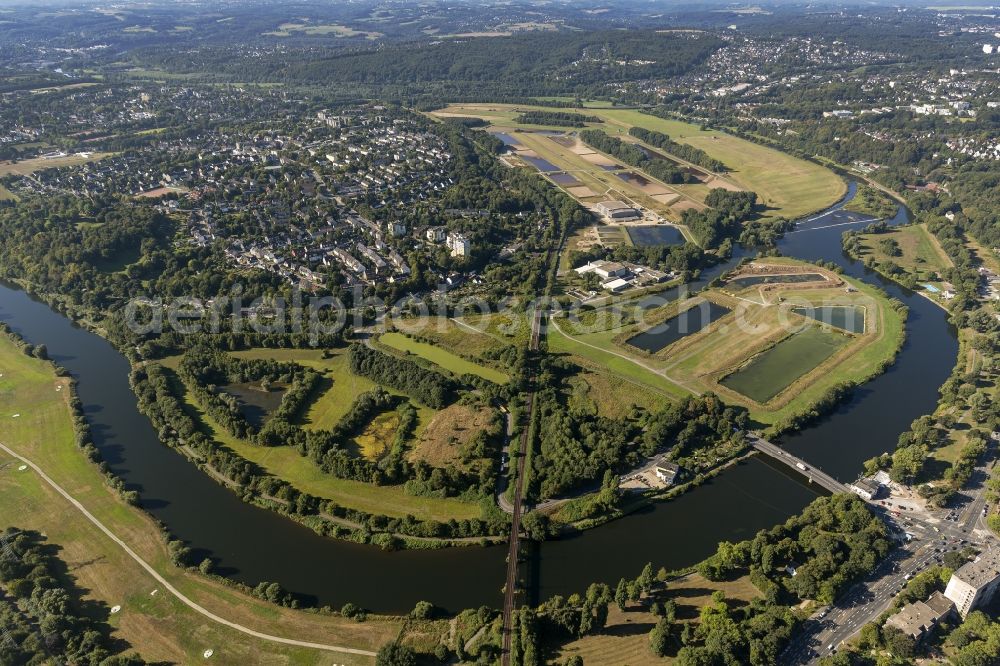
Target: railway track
<point>513,552</point>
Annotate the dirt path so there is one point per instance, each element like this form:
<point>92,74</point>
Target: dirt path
<point>627,358</point>
<point>170,588</point>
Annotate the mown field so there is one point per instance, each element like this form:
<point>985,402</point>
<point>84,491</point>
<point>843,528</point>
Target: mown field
<point>441,357</point>
<point>163,628</point>
<point>25,167</point>
<point>788,186</point>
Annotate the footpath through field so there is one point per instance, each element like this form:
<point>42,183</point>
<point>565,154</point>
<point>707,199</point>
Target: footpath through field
<point>170,588</point>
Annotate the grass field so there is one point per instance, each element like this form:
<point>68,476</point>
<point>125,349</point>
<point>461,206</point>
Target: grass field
<point>449,334</point>
<point>25,167</point>
<point>440,443</point>
<point>160,626</point>
<point>920,253</point>
<point>438,356</point>
<point>599,349</point>
<point>790,187</point>
<point>611,396</point>
<point>625,638</point>
<point>773,371</point>
<point>286,463</point>
<point>512,328</point>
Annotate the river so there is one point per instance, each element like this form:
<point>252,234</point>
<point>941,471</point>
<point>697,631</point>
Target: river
<point>254,545</point>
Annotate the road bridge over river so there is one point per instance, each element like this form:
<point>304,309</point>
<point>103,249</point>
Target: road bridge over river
<point>817,476</point>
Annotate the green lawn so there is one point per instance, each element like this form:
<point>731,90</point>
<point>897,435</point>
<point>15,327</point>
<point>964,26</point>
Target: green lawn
<point>920,253</point>
<point>560,343</point>
<point>773,371</point>
<point>159,626</point>
<point>462,339</point>
<point>441,357</point>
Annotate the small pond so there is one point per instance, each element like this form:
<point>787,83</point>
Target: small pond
<point>655,234</point>
<point>542,164</point>
<point>847,317</point>
<point>633,178</point>
<point>563,178</point>
<point>506,138</point>
<point>690,321</point>
<point>256,404</point>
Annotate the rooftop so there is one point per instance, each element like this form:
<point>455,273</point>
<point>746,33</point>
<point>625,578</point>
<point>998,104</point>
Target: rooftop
<point>983,570</point>
<point>867,485</point>
<point>614,205</point>
<point>916,618</point>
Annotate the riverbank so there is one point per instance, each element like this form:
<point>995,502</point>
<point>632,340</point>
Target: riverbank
<point>165,627</point>
<point>362,533</point>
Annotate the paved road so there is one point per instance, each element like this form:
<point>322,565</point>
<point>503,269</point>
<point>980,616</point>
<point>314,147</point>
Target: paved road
<point>814,474</point>
<point>170,588</point>
<point>865,601</point>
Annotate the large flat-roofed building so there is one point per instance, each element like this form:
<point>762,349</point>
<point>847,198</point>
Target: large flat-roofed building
<point>918,619</point>
<point>616,210</point>
<point>975,583</point>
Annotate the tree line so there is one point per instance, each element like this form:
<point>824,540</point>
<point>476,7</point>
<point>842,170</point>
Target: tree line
<point>44,617</point>
<point>557,118</point>
<point>666,171</point>
<point>723,219</point>
<point>681,150</point>
<point>431,388</point>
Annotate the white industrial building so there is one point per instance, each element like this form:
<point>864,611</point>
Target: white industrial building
<point>616,210</point>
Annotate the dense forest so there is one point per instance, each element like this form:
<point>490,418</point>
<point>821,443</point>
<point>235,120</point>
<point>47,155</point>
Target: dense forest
<point>431,388</point>
<point>728,210</point>
<point>531,63</point>
<point>558,118</point>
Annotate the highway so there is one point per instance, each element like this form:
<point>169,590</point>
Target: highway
<point>960,527</point>
<point>513,552</point>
